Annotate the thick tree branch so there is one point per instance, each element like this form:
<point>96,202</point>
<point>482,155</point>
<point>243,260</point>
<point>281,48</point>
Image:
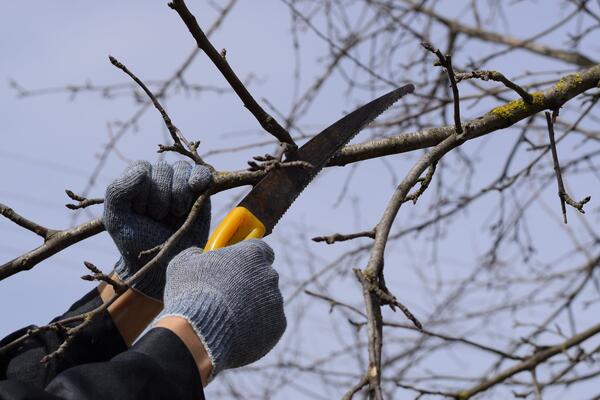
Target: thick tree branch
<point>530,363</point>
<point>373,273</point>
<point>59,240</point>
<point>65,238</point>
<point>546,51</point>
<point>498,118</point>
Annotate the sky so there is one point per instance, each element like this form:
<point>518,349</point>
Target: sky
<point>51,142</point>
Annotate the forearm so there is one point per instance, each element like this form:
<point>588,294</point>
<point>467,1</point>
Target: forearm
<point>184,331</point>
<point>131,312</point>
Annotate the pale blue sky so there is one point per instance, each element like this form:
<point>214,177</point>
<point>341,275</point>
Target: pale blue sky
<point>50,143</point>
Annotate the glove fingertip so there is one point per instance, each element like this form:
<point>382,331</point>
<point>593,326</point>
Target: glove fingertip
<point>200,178</point>
<point>159,198</point>
<point>139,168</point>
<point>128,184</point>
<point>182,164</point>
<point>261,248</point>
<point>181,194</point>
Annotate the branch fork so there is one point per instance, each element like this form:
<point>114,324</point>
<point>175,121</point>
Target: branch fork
<point>82,202</point>
<point>445,61</point>
<point>562,192</point>
<point>378,288</point>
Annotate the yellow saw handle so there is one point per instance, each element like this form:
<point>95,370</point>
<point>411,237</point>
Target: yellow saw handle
<point>240,224</point>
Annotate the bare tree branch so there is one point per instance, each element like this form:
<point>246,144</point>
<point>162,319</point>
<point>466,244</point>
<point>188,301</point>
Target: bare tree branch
<point>530,363</point>
<point>562,193</point>
<point>499,77</point>
<point>455,26</point>
<point>180,143</point>
<point>446,62</point>
<point>498,118</point>
<point>39,230</point>
<point>265,120</point>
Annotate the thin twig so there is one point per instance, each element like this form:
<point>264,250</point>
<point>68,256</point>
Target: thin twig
<point>268,162</point>
<point>446,62</point>
<point>98,275</point>
<point>498,77</point>
<point>82,201</point>
<point>356,388</point>
<point>149,252</point>
<point>562,193</point>
<point>425,182</point>
<point>338,237</point>
<point>333,303</point>
<point>424,391</point>
<point>386,297</point>
<point>336,303</point>
<point>58,326</point>
<point>180,143</point>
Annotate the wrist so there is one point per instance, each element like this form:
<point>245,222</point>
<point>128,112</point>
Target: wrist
<point>209,316</point>
<point>131,312</point>
<point>182,328</point>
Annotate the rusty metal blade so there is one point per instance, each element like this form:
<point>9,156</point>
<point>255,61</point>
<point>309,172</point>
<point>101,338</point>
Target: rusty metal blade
<point>276,192</point>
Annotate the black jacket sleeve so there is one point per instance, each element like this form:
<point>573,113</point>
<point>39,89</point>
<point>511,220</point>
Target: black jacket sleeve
<point>158,366</point>
<point>100,341</point>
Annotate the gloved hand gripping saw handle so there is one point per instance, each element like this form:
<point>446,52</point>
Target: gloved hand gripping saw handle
<point>241,223</point>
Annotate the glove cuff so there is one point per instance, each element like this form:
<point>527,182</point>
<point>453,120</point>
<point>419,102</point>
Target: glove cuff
<point>210,318</point>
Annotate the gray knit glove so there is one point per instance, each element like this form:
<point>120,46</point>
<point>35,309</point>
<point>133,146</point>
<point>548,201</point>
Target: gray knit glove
<point>231,298</point>
<point>144,207</point>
